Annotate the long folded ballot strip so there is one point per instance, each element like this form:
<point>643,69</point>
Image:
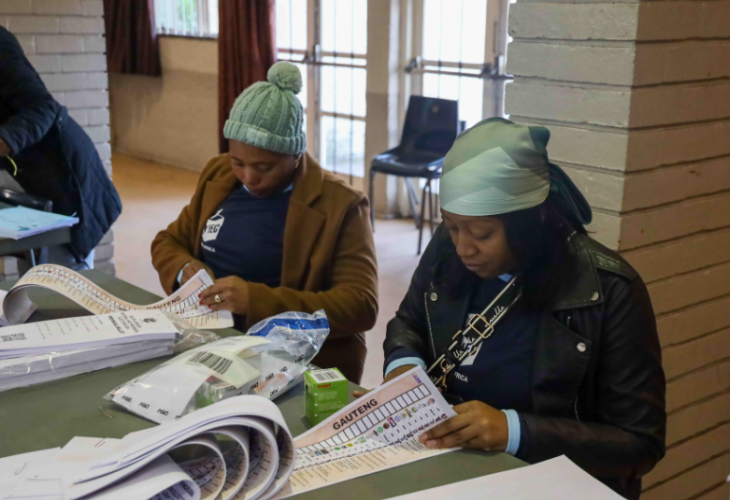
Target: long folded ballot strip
<point>184,303</point>
<point>253,460</point>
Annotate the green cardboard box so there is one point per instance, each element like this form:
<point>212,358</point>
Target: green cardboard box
<point>325,393</point>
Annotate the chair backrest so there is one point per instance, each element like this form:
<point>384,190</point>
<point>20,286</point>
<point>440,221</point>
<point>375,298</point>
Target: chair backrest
<point>25,200</point>
<point>431,125</point>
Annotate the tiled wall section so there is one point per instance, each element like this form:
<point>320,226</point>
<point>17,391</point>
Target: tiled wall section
<point>64,40</point>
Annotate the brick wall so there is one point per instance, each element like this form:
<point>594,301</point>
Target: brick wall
<point>64,40</point>
<point>638,99</point>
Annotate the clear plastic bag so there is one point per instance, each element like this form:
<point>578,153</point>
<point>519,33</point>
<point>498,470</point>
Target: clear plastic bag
<point>267,362</point>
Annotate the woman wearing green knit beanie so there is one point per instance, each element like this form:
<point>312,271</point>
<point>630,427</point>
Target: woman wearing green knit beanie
<point>275,231</point>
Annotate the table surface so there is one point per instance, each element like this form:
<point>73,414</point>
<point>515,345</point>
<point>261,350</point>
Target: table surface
<point>49,415</point>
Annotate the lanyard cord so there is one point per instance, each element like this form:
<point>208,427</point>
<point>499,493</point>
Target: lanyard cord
<point>15,166</point>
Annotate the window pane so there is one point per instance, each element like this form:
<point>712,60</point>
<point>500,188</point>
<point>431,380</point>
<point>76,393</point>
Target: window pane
<point>343,90</point>
<point>468,91</point>
<point>213,17</point>
<point>454,30</point>
<point>291,24</point>
<point>344,26</point>
<point>343,145</point>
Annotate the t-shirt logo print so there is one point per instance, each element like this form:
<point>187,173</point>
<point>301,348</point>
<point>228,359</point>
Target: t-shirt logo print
<point>213,226</point>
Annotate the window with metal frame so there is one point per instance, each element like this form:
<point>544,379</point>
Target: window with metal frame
<point>327,39</point>
<point>195,18</point>
<point>458,50</point>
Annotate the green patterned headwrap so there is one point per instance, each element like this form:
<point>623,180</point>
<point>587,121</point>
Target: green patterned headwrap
<point>498,166</point>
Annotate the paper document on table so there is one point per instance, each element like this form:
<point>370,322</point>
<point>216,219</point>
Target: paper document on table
<point>377,432</point>
<point>184,303</point>
<point>71,334</point>
<point>555,479</point>
<point>162,479</point>
<point>41,368</point>
<point>23,317</point>
<point>239,449</point>
<point>21,222</point>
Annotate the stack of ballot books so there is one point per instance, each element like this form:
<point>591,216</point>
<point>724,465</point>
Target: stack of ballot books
<point>238,448</point>
<point>34,353</point>
<point>21,222</point>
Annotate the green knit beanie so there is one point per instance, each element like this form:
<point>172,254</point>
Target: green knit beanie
<point>268,115</point>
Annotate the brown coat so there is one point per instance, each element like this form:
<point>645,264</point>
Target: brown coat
<point>329,257</point>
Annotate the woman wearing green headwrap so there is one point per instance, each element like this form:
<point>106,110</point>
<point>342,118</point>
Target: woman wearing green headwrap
<point>573,365</point>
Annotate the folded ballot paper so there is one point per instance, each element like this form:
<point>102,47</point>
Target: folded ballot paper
<point>238,448</point>
<point>184,303</point>
<point>50,350</point>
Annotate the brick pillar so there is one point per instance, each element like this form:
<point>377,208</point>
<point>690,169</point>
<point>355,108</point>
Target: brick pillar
<point>64,41</point>
<point>638,100</point>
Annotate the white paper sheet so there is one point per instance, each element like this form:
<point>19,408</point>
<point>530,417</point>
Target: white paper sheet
<point>21,222</point>
<point>162,477</point>
<point>184,302</point>
<point>556,479</point>
<point>70,334</point>
<point>255,465</point>
<point>377,432</point>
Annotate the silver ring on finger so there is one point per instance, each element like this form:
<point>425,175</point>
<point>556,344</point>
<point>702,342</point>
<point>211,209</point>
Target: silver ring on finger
<point>218,299</point>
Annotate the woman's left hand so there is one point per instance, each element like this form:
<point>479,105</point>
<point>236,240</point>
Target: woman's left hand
<point>233,292</point>
<point>476,425</point>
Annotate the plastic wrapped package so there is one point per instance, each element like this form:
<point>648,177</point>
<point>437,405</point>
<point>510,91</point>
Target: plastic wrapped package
<point>268,361</point>
<point>28,370</point>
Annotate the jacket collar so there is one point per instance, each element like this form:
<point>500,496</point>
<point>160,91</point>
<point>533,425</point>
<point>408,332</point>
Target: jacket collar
<point>308,181</point>
<point>586,288</point>
<point>300,219</point>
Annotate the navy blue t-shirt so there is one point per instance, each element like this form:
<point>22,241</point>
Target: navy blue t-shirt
<point>245,237</point>
<point>500,373</point>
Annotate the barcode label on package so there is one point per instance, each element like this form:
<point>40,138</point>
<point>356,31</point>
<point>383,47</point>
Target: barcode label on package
<point>14,336</point>
<point>216,363</point>
<point>326,376</point>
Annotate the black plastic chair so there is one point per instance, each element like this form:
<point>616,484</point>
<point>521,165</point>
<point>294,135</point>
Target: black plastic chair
<point>429,131</point>
<point>26,200</point>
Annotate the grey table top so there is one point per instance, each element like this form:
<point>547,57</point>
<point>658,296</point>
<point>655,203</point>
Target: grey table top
<point>48,415</point>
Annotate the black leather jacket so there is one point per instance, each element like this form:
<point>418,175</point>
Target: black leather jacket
<point>597,385</point>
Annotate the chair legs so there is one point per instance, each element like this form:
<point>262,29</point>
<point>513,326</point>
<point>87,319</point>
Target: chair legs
<point>414,202</point>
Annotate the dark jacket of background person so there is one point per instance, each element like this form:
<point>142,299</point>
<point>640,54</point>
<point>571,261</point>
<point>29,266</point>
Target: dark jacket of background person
<point>56,159</point>
<point>329,257</point>
<point>597,381</point>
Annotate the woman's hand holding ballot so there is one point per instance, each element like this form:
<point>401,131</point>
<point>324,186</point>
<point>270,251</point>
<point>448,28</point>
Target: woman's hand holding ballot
<point>477,425</point>
<point>228,294</point>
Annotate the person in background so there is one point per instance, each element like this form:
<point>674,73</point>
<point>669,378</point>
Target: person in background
<point>574,365</point>
<point>55,159</point>
<point>275,231</point>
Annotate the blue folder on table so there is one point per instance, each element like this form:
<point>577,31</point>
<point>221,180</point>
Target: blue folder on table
<point>21,222</point>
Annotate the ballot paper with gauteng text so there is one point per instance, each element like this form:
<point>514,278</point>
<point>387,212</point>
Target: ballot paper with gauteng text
<point>377,432</point>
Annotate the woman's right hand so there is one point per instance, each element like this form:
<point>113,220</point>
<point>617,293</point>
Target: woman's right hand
<point>398,371</point>
<point>191,269</point>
